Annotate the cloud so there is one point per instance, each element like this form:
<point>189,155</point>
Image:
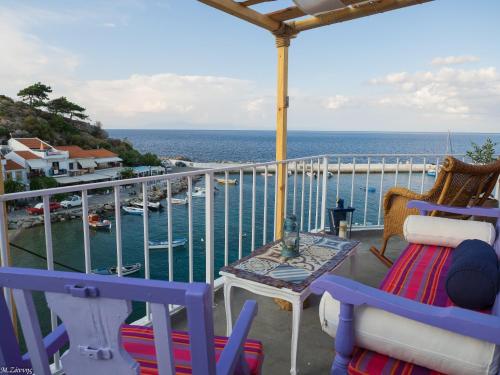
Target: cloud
<point>448,91</point>
<point>336,102</point>
<point>454,60</point>
<point>109,25</point>
<point>171,97</point>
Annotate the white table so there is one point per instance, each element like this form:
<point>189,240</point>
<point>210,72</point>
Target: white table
<point>296,298</point>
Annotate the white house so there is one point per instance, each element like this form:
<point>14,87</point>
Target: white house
<point>38,157</point>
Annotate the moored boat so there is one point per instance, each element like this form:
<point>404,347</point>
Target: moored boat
<point>199,192</point>
<point>222,181</point>
<point>133,210</point>
<point>151,205</point>
<point>127,269</point>
<point>164,244</point>
<point>179,200</point>
<point>96,222</point>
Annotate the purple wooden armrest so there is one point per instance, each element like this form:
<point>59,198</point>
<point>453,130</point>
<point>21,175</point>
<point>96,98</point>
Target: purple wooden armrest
<point>197,297</point>
<point>425,207</point>
<point>351,293</point>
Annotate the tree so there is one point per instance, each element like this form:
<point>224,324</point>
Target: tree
<point>127,173</point>
<point>35,95</point>
<point>150,159</point>
<point>12,186</point>
<point>62,106</point>
<point>59,106</point>
<point>483,154</point>
<point>42,182</point>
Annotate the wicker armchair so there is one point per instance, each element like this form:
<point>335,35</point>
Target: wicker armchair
<point>458,184</point>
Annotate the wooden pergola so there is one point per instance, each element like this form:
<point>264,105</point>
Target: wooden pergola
<point>285,24</point>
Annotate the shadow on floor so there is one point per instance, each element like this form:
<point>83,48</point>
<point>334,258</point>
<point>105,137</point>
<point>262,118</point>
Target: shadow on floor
<point>273,326</point>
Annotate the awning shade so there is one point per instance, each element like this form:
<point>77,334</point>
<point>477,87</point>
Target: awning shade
<point>92,177</point>
<point>87,163</point>
<point>314,7</point>
<point>36,163</point>
<point>115,159</point>
<point>66,180</point>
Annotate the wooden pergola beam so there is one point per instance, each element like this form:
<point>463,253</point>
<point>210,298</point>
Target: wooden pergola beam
<point>247,14</point>
<point>286,14</point>
<point>248,3</point>
<point>353,12</point>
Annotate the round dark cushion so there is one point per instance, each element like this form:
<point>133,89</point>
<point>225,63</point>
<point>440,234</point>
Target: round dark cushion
<point>473,279</point>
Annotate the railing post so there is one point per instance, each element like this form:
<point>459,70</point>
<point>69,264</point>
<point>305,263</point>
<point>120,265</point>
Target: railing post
<point>324,192</point>
<point>209,228</point>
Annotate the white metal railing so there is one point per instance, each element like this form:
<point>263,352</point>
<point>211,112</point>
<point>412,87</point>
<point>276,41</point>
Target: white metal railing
<point>312,185</point>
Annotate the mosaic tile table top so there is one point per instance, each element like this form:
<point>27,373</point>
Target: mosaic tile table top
<point>319,253</point>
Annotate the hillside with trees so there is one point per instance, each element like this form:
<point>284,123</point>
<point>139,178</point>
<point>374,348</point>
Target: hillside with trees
<point>60,122</point>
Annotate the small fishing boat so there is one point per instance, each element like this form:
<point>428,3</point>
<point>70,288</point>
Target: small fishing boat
<point>370,189</point>
<point>266,175</point>
<point>198,192</point>
<point>309,174</point>
<point>133,210</point>
<point>96,222</point>
<point>127,269</point>
<point>155,206</point>
<point>222,181</point>
<point>179,200</point>
<point>164,244</point>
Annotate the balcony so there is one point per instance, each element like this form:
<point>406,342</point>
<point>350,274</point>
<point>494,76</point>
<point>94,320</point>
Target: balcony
<point>222,224</point>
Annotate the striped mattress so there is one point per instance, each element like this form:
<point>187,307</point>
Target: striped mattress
<point>418,274</point>
<point>138,342</point>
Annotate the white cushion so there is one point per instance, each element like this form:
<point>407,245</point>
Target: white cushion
<point>414,342</point>
<point>430,230</point>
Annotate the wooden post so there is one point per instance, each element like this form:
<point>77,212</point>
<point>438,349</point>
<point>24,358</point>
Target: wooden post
<point>282,43</point>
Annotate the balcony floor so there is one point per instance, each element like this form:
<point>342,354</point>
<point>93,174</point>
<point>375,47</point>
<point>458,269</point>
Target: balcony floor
<point>273,326</point>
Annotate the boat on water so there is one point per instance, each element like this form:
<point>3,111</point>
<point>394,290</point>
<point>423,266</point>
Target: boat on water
<point>96,222</point>
<point>127,269</point>
<point>431,173</point>
<point>151,205</point>
<point>179,200</point>
<point>309,174</point>
<point>199,192</point>
<point>133,210</point>
<point>370,189</point>
<point>222,181</point>
<point>164,244</point>
<point>266,175</point>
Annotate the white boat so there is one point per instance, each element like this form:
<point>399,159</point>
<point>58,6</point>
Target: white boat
<point>222,181</point>
<point>133,210</point>
<point>127,269</point>
<point>431,173</point>
<point>198,192</point>
<point>309,174</point>
<point>164,244</point>
<point>151,205</point>
<point>266,175</point>
<point>179,200</point>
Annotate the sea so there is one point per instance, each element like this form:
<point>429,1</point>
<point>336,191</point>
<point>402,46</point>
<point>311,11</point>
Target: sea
<point>235,146</point>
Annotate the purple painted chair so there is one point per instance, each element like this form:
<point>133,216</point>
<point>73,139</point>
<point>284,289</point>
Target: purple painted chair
<point>416,303</point>
<point>93,309</point>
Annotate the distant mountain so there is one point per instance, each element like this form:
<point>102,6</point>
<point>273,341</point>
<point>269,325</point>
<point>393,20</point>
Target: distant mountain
<point>18,119</point>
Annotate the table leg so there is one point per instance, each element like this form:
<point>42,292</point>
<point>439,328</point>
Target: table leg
<point>227,304</point>
<point>296,315</point>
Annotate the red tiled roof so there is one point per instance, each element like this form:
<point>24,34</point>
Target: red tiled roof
<point>11,165</point>
<point>34,143</point>
<point>27,155</point>
<point>76,152</point>
<point>102,153</point>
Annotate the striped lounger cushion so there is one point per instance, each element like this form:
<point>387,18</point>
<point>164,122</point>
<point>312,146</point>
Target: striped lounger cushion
<point>418,274</point>
<point>138,342</point>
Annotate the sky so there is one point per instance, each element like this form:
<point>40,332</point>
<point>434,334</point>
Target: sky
<point>181,64</point>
